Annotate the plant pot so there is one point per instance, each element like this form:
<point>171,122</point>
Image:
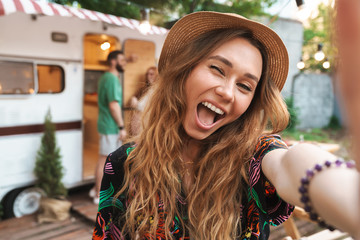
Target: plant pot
<point>52,210</point>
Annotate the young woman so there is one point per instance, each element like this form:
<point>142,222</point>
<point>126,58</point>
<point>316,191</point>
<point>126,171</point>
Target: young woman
<point>206,164</point>
<point>139,101</point>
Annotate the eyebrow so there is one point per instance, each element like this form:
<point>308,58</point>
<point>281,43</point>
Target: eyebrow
<point>222,59</point>
<point>251,76</point>
<point>228,63</point>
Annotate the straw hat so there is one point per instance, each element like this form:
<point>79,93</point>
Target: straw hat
<point>195,24</point>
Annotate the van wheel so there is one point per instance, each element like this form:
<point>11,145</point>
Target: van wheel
<point>24,201</point>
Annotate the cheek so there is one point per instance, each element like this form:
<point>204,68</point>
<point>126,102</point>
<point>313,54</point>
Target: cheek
<point>242,105</point>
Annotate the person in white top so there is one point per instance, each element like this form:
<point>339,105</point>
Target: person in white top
<point>139,100</point>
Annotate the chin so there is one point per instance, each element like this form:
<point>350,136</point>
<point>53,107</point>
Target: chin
<point>197,135</point>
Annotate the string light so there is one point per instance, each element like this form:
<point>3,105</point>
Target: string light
<point>299,3</point>
<point>300,65</point>
<point>326,64</point>
<point>319,55</point>
<point>145,26</point>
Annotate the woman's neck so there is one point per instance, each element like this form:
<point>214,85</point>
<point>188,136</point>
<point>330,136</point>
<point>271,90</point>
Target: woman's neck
<point>189,156</point>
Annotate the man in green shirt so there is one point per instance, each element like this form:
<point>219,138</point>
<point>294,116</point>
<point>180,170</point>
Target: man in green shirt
<point>110,121</point>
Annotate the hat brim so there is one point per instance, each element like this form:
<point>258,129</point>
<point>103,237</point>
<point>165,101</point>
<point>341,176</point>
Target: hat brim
<point>195,24</point>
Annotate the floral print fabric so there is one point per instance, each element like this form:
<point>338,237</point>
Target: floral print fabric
<point>261,207</point>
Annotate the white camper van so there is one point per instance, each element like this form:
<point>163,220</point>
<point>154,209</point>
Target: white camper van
<point>51,57</point>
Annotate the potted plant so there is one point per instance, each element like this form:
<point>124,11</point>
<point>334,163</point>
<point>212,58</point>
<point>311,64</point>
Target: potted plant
<point>49,173</point>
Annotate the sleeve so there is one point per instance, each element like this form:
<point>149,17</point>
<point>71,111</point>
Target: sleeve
<point>114,91</point>
<point>261,190</point>
<point>111,183</point>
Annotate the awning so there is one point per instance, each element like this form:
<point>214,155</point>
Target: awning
<point>52,9</point>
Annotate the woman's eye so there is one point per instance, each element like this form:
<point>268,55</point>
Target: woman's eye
<point>244,86</point>
<point>217,69</point>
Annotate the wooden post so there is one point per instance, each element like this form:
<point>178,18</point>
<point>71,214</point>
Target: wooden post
<point>291,229</point>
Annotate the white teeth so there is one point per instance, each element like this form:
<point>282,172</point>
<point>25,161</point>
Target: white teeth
<point>213,108</point>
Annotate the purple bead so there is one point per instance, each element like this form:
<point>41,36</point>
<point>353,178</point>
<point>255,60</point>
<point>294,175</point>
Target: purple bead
<point>350,164</point>
<point>310,173</point>
<point>302,189</point>
<point>327,163</point>
<point>322,224</point>
<point>318,167</point>
<point>307,208</point>
<point>338,162</point>
<point>313,216</point>
<point>304,199</point>
<point>304,181</point>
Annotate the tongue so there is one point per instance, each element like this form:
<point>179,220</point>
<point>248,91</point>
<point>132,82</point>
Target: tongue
<point>206,116</point>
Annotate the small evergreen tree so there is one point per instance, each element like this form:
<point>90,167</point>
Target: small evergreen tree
<point>48,167</point>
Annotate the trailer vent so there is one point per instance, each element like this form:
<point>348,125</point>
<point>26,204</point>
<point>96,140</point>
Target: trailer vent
<point>59,37</point>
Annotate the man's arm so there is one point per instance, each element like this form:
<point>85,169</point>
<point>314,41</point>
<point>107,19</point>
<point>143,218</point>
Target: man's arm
<point>115,111</point>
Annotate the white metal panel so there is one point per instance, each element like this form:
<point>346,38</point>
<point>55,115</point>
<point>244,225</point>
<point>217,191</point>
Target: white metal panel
<point>18,158</point>
<point>65,106</point>
<point>71,146</point>
<point>32,38</point>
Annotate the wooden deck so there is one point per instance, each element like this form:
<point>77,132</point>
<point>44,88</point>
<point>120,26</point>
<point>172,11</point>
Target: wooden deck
<point>91,156</point>
<point>83,214</point>
<point>27,228</point>
<point>79,226</point>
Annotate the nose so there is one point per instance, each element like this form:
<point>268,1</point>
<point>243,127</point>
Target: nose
<point>226,91</point>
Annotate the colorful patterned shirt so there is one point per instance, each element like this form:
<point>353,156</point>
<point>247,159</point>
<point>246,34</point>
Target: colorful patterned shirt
<point>261,207</point>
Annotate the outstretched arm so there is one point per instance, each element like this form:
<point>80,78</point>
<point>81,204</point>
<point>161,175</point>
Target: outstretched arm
<point>348,36</point>
<point>334,192</point>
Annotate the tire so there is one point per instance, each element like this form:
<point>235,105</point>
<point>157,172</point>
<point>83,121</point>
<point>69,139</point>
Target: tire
<point>21,202</point>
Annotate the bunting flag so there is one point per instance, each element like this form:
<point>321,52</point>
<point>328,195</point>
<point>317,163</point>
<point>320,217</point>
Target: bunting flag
<point>52,9</point>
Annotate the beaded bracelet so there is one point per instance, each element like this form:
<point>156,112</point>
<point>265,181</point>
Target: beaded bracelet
<point>304,188</point>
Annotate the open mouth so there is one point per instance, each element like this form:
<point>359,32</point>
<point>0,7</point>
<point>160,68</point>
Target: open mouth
<point>208,114</point>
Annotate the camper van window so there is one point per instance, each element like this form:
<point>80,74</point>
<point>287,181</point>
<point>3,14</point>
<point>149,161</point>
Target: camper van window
<point>16,78</point>
<point>50,79</point>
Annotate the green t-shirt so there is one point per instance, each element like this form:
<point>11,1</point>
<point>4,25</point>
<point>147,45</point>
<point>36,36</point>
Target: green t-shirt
<point>109,90</point>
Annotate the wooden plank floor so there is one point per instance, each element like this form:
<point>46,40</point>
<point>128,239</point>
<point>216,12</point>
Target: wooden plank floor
<point>79,226</point>
<point>81,223</point>
<point>82,204</point>
<point>27,228</point>
<point>90,156</point>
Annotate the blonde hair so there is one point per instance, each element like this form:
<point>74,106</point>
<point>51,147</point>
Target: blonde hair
<point>152,168</point>
<point>145,86</point>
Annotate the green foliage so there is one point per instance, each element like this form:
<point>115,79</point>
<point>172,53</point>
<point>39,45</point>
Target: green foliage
<point>334,123</point>
<point>312,135</point>
<point>293,114</point>
<point>162,9</point>
<point>319,29</point>
<point>48,167</point>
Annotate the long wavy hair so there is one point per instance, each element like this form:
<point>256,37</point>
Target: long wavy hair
<point>153,168</point>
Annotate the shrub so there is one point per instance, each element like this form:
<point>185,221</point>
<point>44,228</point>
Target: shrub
<point>293,114</point>
<point>48,167</point>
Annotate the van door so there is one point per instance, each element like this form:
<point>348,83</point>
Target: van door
<point>96,49</point>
